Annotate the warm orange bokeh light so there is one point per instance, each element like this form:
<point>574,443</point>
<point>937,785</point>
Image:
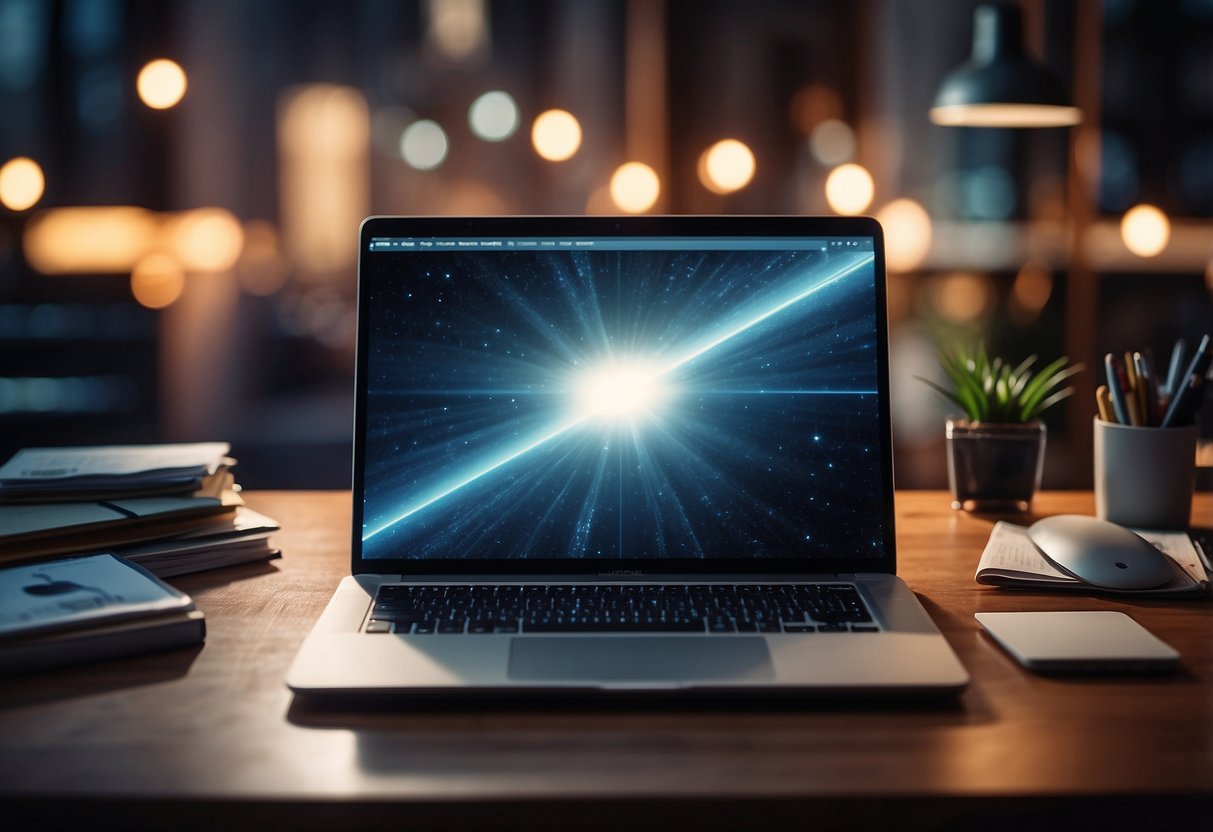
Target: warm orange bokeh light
<point>157,280</point>
<point>849,189</point>
<point>1145,230</point>
<point>107,239</point>
<point>556,135</point>
<point>161,84</point>
<point>21,183</point>
<point>726,166</point>
<point>907,232</point>
<point>206,239</point>
<point>635,187</point>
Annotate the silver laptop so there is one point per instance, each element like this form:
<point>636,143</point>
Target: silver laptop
<point>623,454</point>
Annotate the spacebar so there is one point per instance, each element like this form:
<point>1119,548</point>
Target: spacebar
<point>621,627</point>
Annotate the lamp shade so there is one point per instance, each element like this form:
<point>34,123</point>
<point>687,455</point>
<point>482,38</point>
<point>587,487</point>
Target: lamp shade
<point>1000,86</point>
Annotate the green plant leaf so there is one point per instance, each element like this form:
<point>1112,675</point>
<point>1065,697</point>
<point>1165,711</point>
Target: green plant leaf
<point>972,398</point>
<point>992,390</point>
<point>1034,395</point>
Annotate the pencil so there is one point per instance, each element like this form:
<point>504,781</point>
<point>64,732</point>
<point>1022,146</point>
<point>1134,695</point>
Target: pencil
<point>1103,401</point>
<point>1133,391</point>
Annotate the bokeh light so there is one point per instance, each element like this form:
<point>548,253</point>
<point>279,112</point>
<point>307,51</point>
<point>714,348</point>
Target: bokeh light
<point>556,135</point>
<point>832,142</point>
<point>459,29</point>
<point>324,169</point>
<point>1145,230</point>
<point>1030,292</point>
<point>157,280</point>
<point>206,239</point>
<point>635,187</point>
<point>849,189</point>
<point>161,84</point>
<point>907,234</point>
<point>423,145</point>
<point>493,116</point>
<point>726,166</point>
<point>962,297</point>
<point>21,183</point>
<point>101,239</point>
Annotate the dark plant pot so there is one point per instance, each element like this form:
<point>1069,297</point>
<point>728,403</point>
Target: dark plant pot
<point>994,467</point>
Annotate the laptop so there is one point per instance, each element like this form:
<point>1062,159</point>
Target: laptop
<point>646,454</point>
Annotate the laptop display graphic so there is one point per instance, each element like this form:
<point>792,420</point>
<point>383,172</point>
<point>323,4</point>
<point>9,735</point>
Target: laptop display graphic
<point>622,398</point>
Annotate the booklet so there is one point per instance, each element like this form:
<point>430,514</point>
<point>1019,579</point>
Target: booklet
<point>1012,560</point>
<point>88,608</point>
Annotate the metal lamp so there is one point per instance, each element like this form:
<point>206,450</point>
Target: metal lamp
<point>1000,86</point>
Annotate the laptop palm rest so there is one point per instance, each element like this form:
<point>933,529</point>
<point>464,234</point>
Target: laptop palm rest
<point>635,659</point>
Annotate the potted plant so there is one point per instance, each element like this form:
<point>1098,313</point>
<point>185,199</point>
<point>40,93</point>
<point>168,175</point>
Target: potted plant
<point>996,451</point>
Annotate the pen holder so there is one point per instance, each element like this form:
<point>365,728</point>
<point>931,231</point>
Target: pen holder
<point>1144,476</point>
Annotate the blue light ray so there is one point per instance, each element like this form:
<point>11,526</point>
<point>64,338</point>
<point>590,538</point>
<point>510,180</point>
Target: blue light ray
<point>733,332</point>
<point>507,458</point>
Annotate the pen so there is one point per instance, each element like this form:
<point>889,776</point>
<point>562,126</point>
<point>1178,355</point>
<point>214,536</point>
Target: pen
<point>1117,392</point>
<point>1181,405</point>
<point>1178,353</point>
<point>1133,396</point>
<point>1200,553</point>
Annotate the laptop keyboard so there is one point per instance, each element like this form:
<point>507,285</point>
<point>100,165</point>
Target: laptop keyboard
<point>619,608</point>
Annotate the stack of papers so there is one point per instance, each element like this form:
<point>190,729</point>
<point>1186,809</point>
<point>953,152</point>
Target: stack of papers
<point>173,508</point>
<point>110,471</point>
<point>220,542</point>
<point>1012,560</point>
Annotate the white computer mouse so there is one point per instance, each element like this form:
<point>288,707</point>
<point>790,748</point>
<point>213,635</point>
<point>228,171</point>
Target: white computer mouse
<point>1100,553</point>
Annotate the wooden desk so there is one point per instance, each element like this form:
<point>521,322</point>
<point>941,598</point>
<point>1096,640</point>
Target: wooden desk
<point>211,736</point>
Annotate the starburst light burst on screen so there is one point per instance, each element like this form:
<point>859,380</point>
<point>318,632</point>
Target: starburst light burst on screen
<point>615,405</point>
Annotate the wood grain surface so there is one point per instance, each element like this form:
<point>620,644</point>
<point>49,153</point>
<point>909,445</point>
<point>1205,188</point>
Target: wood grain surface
<point>213,729</point>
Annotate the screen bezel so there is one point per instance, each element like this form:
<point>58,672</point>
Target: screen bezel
<point>643,226</point>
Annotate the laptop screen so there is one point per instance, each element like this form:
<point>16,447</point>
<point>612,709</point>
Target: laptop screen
<point>556,393</point>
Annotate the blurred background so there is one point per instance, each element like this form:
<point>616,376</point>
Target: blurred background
<point>183,180</point>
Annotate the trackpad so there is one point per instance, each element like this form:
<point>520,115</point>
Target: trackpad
<point>641,658</point>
